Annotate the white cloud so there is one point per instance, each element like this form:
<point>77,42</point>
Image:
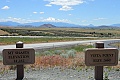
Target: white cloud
<point>42,12</point>
<point>100,19</point>
<point>51,19</point>
<point>69,14</point>
<point>9,17</point>
<point>66,8</point>
<point>35,12</point>
<point>20,20</point>
<point>14,19</point>
<point>48,5</point>
<point>5,7</point>
<point>66,4</point>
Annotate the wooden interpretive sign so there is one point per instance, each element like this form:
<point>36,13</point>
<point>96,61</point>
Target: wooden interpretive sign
<point>18,56</point>
<point>101,57</point>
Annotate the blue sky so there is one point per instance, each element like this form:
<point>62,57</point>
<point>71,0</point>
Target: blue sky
<point>82,12</point>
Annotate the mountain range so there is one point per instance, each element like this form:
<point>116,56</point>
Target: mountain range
<point>38,24</point>
<point>9,23</point>
<point>51,24</point>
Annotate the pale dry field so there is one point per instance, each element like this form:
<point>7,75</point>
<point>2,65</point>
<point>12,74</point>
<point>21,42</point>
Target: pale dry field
<point>2,32</point>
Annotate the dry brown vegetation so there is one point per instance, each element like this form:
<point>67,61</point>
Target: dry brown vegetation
<point>74,32</point>
<point>57,60</point>
<point>51,61</point>
<point>3,32</point>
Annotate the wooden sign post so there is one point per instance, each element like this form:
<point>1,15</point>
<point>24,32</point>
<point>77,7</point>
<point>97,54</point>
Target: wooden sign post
<point>99,69</point>
<point>100,57</point>
<point>19,56</point>
<point>20,68</point>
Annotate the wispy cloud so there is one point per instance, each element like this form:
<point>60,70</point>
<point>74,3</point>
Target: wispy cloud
<point>99,19</point>
<point>84,21</point>
<point>48,5</point>
<point>14,19</point>
<point>5,7</point>
<point>20,20</point>
<point>66,8</point>
<point>42,12</point>
<point>35,12</point>
<point>51,19</point>
<point>66,4</point>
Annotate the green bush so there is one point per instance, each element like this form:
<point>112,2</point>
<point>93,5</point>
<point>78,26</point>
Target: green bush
<point>64,55</point>
<point>71,53</point>
<point>47,53</point>
<point>81,48</point>
<point>1,58</point>
<point>58,52</point>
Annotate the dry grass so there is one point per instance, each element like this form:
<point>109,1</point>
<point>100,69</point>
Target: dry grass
<point>57,60</point>
<point>114,31</point>
<point>53,61</point>
<point>3,32</point>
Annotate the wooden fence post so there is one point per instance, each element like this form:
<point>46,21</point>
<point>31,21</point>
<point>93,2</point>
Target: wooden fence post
<point>20,68</point>
<point>99,69</point>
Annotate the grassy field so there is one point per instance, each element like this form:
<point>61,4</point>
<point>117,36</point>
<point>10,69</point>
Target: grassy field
<point>59,34</point>
<point>13,40</point>
<point>70,32</point>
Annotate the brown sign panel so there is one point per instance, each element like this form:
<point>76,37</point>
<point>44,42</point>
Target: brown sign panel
<point>18,56</point>
<point>101,57</point>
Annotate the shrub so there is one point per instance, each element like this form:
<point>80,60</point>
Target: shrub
<point>37,53</point>
<point>106,76</point>
<point>1,58</point>
<point>71,53</point>
<point>47,53</point>
<point>50,61</point>
<point>58,52</point>
<point>64,55</point>
<point>81,48</point>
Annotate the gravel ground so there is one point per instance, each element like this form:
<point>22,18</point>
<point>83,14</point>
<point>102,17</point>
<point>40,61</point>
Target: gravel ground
<point>61,74</point>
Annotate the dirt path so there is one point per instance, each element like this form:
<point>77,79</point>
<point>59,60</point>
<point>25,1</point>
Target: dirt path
<point>61,74</point>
